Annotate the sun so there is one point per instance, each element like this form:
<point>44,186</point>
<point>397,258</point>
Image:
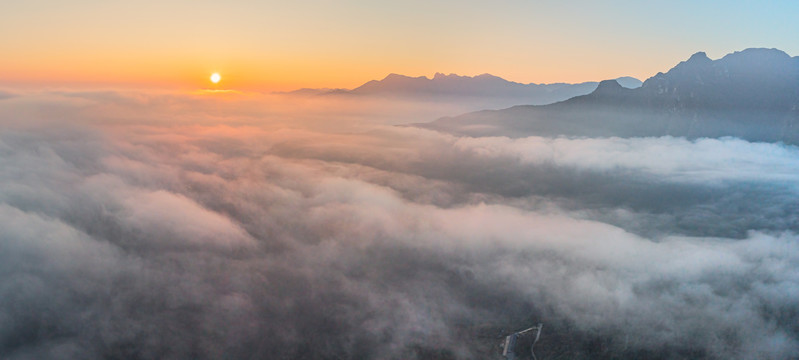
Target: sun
<point>215,78</point>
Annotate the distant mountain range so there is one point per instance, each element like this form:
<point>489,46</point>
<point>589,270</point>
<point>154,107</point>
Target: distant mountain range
<point>752,94</point>
<point>453,87</point>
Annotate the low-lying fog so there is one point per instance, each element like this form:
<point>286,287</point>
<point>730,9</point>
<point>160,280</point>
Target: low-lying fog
<point>249,226</point>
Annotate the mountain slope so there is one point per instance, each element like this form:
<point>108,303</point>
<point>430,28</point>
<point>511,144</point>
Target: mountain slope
<point>752,94</point>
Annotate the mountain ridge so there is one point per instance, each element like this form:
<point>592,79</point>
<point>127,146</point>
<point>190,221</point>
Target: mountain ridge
<point>452,87</point>
<point>752,94</point>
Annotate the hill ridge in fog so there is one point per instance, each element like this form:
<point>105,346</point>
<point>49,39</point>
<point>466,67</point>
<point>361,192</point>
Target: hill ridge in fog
<point>751,94</point>
<point>452,86</point>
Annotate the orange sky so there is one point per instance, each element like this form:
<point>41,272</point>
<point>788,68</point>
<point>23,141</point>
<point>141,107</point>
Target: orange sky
<point>269,45</point>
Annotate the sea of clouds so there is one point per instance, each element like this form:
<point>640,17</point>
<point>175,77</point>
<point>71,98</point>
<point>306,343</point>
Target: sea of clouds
<point>259,227</point>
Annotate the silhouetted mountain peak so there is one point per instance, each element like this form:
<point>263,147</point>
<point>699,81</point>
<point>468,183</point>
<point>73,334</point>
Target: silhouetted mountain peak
<point>699,58</point>
<point>692,72</point>
<point>480,91</point>
<point>759,54</point>
<point>484,85</point>
<point>752,76</point>
<point>629,82</point>
<point>696,62</point>
<point>398,77</point>
<point>606,90</point>
<point>767,64</point>
<point>752,94</point>
<point>442,76</point>
<point>608,86</point>
<point>487,76</point>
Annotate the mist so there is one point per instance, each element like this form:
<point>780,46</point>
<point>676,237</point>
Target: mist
<point>211,225</point>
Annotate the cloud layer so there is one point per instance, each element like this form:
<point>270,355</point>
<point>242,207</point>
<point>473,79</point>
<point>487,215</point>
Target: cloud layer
<point>169,226</point>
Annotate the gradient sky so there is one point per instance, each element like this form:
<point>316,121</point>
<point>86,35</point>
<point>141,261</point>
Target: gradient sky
<point>279,45</point>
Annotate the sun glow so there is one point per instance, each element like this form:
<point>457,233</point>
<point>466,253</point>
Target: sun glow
<point>215,78</point>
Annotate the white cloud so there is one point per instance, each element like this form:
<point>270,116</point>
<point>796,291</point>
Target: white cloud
<point>230,240</point>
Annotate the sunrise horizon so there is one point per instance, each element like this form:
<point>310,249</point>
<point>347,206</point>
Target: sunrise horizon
<point>233,81</point>
<point>340,45</point>
<point>414,180</point>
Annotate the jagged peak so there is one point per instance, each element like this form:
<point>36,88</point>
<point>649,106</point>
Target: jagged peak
<point>439,76</point>
<point>442,76</point>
